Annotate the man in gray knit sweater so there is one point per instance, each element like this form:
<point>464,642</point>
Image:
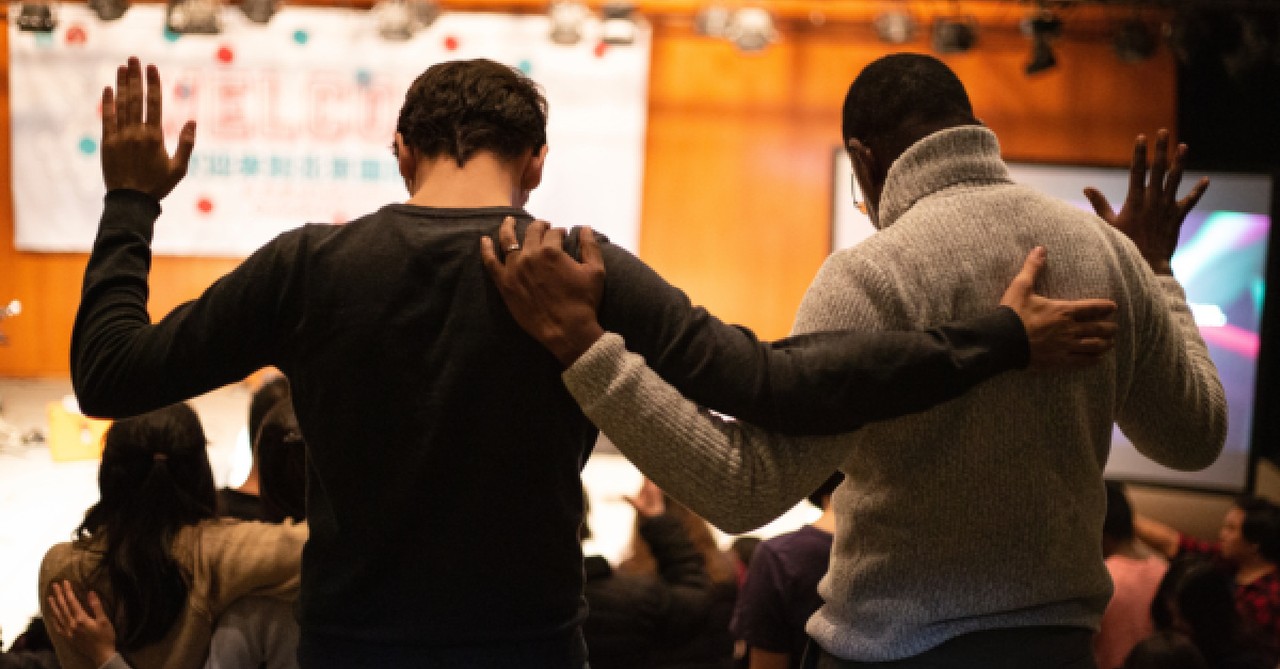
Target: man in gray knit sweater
<point>967,535</point>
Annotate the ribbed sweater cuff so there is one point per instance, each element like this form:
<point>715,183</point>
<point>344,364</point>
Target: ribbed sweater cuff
<point>132,210</point>
<point>593,372</point>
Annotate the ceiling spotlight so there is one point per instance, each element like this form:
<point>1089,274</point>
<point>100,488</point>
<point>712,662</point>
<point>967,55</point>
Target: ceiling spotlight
<point>109,10</point>
<point>897,26</point>
<point>954,34</point>
<point>751,29</point>
<point>195,17</point>
<point>259,11</point>
<point>1134,41</point>
<point>567,17</point>
<point>712,21</point>
<point>619,24</point>
<point>1043,27</point>
<point>37,17</point>
<point>398,20</point>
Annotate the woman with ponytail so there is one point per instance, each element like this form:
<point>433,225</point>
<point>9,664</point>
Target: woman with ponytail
<point>163,565</point>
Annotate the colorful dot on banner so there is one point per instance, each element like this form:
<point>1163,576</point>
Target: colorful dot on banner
<point>182,91</point>
<point>339,218</point>
<point>601,49</point>
<point>76,35</point>
<point>526,67</point>
<point>364,77</point>
<point>170,36</point>
<point>44,39</point>
<point>301,36</point>
<point>451,43</point>
<point>88,146</point>
<point>205,205</point>
<point>225,54</point>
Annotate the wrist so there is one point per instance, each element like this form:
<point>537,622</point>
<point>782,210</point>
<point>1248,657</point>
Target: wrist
<point>570,343</point>
<point>103,656</point>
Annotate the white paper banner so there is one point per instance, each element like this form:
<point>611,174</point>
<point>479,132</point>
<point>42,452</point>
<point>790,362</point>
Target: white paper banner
<point>296,119</point>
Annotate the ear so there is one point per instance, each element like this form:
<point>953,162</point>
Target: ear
<point>532,175</point>
<point>406,159</point>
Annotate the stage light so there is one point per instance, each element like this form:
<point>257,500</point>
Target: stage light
<point>713,21</point>
<point>567,17</point>
<point>896,26</point>
<point>954,34</point>
<point>37,17</point>
<point>1134,41</point>
<point>1043,26</point>
<point>619,24</point>
<point>109,10</point>
<point>196,17</point>
<point>259,11</point>
<point>751,29</point>
<point>398,20</point>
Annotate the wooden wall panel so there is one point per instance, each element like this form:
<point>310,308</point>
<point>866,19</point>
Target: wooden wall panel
<point>737,189</point>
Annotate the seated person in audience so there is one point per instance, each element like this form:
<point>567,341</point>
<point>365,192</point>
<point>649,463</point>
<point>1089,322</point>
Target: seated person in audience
<point>161,567</point>
<point>244,502</point>
<point>1195,598</point>
<point>1165,650</point>
<point>253,631</point>
<point>1135,573</point>
<point>1248,545</point>
<point>781,591</point>
<point>711,645</point>
<point>633,614</point>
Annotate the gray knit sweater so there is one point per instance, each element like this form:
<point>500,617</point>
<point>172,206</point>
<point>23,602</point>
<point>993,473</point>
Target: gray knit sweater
<point>982,513</point>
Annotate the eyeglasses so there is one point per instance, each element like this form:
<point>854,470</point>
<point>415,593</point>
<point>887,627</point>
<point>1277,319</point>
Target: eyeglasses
<point>859,202</point>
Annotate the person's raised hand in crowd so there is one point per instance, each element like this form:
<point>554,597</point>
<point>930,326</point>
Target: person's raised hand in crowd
<point>649,501</point>
<point>133,150</point>
<point>551,296</point>
<point>1062,334</point>
<point>1152,214</point>
<point>90,632</point>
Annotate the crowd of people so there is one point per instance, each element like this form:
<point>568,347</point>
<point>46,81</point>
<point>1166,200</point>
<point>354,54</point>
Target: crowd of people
<point>450,360</point>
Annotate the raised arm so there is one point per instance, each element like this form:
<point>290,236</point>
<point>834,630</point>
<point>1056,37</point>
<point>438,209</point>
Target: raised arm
<point>1157,535</point>
<point>822,383</point>
<point>1175,411</point>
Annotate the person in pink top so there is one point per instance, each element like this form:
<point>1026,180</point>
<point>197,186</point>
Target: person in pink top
<point>1136,575</point>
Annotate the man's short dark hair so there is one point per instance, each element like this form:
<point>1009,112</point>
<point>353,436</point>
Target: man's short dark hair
<point>825,490</point>
<point>460,107</point>
<point>1118,523</point>
<point>269,394</point>
<point>898,97</point>
<point>1261,526</point>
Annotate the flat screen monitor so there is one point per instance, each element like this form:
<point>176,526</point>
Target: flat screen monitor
<point>1221,262</point>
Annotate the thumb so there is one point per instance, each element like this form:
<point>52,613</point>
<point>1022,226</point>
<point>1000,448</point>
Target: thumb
<point>186,144</point>
<point>1100,204</point>
<point>591,255</point>
<point>1021,287</point>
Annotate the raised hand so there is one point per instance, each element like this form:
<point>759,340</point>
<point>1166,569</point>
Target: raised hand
<point>133,151</point>
<point>1151,214</point>
<point>93,635</point>
<point>1062,333</point>
<point>649,501</point>
<point>552,296</point>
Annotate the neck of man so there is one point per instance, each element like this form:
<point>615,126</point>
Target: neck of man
<point>1252,569</point>
<point>484,181</point>
<point>827,521</point>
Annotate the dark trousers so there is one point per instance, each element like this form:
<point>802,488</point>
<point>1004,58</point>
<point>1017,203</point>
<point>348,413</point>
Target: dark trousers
<point>1013,648</point>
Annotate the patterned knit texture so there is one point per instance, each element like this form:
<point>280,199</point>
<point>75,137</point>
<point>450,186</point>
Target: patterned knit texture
<point>982,513</point>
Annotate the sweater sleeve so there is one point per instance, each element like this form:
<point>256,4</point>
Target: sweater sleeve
<point>1175,411</point>
<point>817,383</point>
<point>242,558</point>
<point>735,475</point>
<point>122,364</point>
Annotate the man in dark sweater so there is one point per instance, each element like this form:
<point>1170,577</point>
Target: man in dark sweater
<point>413,384</point>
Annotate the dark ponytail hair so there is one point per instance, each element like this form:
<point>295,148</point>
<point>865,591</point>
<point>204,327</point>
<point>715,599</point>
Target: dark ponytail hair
<point>154,480</point>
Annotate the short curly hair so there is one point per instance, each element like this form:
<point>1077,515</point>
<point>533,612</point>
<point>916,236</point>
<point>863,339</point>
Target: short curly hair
<point>461,107</point>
